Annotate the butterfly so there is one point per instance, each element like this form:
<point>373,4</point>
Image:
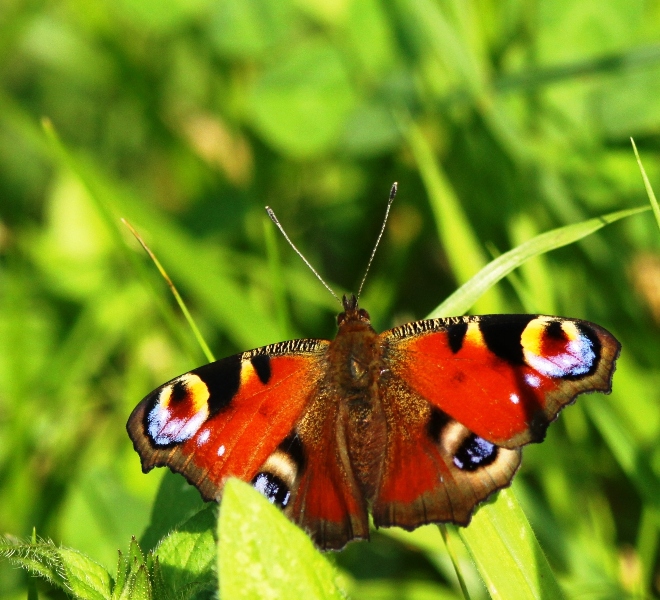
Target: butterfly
<point>415,425</point>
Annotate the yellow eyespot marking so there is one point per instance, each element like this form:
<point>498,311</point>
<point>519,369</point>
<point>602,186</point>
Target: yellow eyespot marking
<point>570,331</point>
<point>197,392</point>
<point>248,372</point>
<point>532,336</point>
<point>165,396</point>
<point>573,356</point>
<point>281,464</point>
<point>473,334</point>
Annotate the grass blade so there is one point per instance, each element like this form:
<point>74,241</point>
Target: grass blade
<point>182,305</point>
<point>647,185</point>
<point>507,552</point>
<point>466,296</point>
<point>461,244</point>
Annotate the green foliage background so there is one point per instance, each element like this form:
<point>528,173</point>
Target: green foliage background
<point>499,120</point>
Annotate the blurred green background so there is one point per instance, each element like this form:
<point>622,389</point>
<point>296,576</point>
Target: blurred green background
<point>499,119</point>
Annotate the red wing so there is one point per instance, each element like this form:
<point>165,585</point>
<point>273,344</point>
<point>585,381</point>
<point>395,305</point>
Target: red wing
<point>310,476</point>
<point>226,418</point>
<point>504,377</point>
<point>435,469</point>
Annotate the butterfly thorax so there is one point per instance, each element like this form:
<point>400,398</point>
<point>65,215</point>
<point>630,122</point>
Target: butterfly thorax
<point>356,359</point>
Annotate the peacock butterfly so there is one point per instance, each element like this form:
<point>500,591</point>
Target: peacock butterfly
<point>418,424</point>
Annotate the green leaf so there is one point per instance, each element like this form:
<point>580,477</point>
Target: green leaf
<point>159,587</point>
<point>140,584</point>
<point>187,556</point>
<point>135,554</point>
<point>122,576</point>
<point>175,502</point>
<point>507,553</point>
<point>263,555</point>
<point>464,297</point>
<point>69,570</point>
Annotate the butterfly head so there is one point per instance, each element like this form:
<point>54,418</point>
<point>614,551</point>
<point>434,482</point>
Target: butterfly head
<point>351,312</point>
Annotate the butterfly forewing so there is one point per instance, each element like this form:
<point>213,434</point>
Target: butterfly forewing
<point>226,418</point>
<point>504,377</point>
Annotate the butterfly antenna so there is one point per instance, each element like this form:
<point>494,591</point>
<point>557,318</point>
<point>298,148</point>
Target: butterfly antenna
<point>273,218</point>
<point>395,186</point>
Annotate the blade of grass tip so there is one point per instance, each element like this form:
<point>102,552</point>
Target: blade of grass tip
<point>465,297</point>
<point>454,561</point>
<point>277,279</point>
<point>647,185</point>
<point>182,305</point>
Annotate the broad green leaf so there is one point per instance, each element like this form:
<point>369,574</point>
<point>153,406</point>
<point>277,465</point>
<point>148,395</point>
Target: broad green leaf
<point>187,556</point>
<point>507,552</point>
<point>263,555</point>
<point>86,578</point>
<point>70,570</point>
<point>465,296</point>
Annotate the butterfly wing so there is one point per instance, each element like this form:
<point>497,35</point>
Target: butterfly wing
<point>435,469</point>
<point>226,418</point>
<point>505,377</point>
<point>268,417</point>
<point>463,394</point>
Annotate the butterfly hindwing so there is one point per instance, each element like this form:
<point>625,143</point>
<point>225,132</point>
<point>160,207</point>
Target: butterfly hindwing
<point>435,469</point>
<point>504,377</point>
<point>226,418</point>
<point>320,490</point>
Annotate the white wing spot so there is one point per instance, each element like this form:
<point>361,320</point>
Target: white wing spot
<point>532,380</point>
<point>514,398</point>
<point>577,360</point>
<point>221,450</point>
<point>203,437</point>
<point>165,430</point>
